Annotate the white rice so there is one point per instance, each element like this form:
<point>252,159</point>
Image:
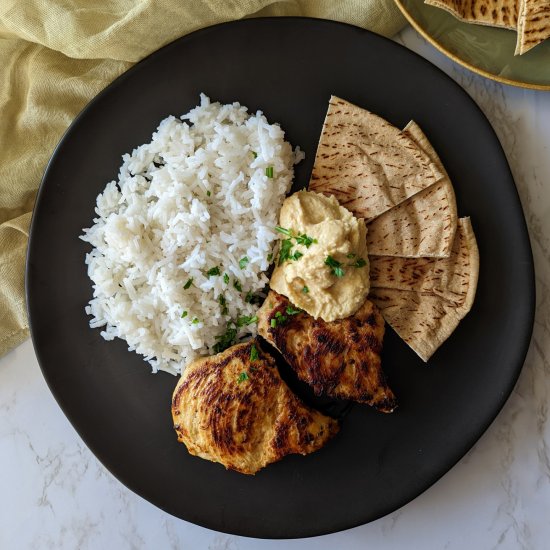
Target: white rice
<point>196,197</point>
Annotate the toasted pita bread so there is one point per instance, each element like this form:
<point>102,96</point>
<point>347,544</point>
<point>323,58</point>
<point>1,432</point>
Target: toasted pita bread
<point>425,303</point>
<point>369,165</point>
<point>494,13</point>
<point>449,278</point>
<point>533,24</point>
<point>422,226</point>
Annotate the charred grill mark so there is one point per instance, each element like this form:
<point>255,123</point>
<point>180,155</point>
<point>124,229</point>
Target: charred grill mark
<point>371,320</point>
<point>280,440</point>
<point>336,345</point>
<point>340,359</point>
<point>354,334</point>
<point>247,425</point>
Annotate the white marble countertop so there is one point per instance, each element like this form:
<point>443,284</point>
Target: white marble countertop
<point>55,494</point>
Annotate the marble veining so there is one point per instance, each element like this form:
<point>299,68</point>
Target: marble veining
<point>55,494</point>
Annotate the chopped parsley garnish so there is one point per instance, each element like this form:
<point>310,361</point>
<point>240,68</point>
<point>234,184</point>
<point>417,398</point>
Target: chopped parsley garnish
<point>188,283</point>
<point>242,377</point>
<point>303,239</point>
<point>208,193</point>
<point>246,320</point>
<point>359,263</point>
<point>351,255</point>
<point>213,271</point>
<point>291,311</point>
<point>243,261</point>
<point>255,154</point>
<point>253,354</point>
<point>269,171</point>
<point>226,278</point>
<point>226,339</point>
<point>305,290</point>
<point>251,298</point>
<point>222,302</point>
<point>284,252</point>
<point>237,285</point>
<point>286,244</point>
<point>184,314</point>
<point>306,240</point>
<point>335,266</point>
<point>195,321</point>
<point>279,319</point>
<point>287,232</point>
<point>269,257</point>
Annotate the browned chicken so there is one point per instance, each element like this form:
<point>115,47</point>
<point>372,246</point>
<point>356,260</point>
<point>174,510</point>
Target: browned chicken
<point>340,359</point>
<point>235,409</point>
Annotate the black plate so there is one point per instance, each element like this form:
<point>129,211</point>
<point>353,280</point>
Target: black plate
<point>288,68</point>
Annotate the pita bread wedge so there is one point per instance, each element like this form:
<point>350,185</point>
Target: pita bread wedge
<point>494,13</point>
<point>449,278</point>
<point>422,226</point>
<point>369,165</point>
<point>533,24</point>
<point>427,302</point>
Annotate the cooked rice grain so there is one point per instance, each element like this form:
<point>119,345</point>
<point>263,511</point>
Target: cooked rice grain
<point>196,198</point>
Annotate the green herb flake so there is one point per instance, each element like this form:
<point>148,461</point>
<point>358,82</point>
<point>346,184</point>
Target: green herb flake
<point>246,320</point>
<point>291,311</point>
<point>226,278</point>
<point>195,321</point>
<point>269,171</point>
<point>255,154</point>
<point>305,290</point>
<point>252,298</point>
<point>213,271</point>
<point>280,318</point>
<point>287,232</point>
<point>273,323</point>
<point>253,354</point>
<point>352,255</point>
<point>225,340</point>
<point>305,240</point>
<point>284,252</point>
<point>184,314</point>
<point>243,261</point>
<point>270,257</point>
<point>359,263</point>
<point>242,377</point>
<point>208,193</point>
<point>222,302</point>
<point>188,283</point>
<point>286,244</point>
<point>335,266</point>
<point>237,285</point>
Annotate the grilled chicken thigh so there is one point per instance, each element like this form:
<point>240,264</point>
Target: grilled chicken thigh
<point>340,359</point>
<point>235,409</point>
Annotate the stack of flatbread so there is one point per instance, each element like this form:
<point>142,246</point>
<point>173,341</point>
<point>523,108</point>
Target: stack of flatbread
<point>424,260</point>
<point>530,18</point>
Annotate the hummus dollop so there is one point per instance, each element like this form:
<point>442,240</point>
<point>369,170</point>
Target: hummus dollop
<point>324,269</point>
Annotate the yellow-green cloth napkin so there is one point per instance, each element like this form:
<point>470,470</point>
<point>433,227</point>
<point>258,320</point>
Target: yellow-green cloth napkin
<point>55,55</point>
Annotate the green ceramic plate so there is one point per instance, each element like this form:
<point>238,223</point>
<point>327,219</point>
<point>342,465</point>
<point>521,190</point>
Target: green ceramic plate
<point>485,50</point>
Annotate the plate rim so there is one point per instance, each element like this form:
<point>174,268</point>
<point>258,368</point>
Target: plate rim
<point>482,72</point>
<point>444,469</point>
